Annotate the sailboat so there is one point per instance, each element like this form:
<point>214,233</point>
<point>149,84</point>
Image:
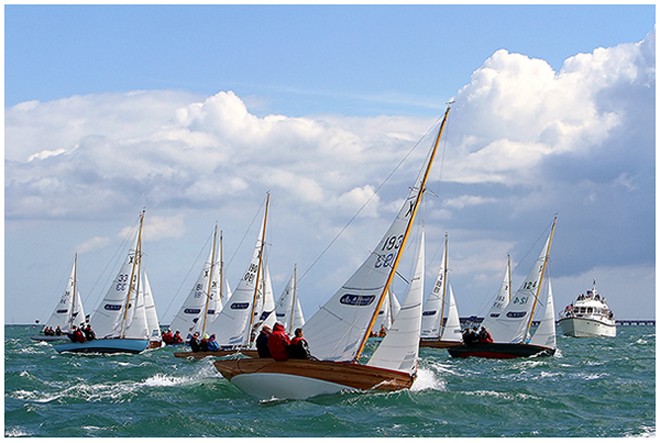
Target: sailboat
<point>153,326</point>
<point>68,312</point>
<point>120,321</point>
<point>386,316</point>
<point>288,310</point>
<point>205,299</point>
<point>438,332</point>
<point>234,326</point>
<point>511,330</point>
<point>338,331</point>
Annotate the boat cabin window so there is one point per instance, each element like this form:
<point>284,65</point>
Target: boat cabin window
<point>590,310</point>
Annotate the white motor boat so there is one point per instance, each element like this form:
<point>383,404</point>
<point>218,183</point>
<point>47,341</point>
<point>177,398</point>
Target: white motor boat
<point>588,316</point>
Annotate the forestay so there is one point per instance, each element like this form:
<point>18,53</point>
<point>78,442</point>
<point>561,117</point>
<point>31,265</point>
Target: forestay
<point>336,331</point>
<point>108,319</point>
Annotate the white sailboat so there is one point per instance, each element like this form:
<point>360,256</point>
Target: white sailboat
<point>117,321</point>
<point>68,311</point>
<point>511,330</point>
<point>153,326</point>
<point>338,332</point>
<point>234,327</point>
<point>288,310</point>
<point>204,300</point>
<point>439,331</point>
<point>386,316</point>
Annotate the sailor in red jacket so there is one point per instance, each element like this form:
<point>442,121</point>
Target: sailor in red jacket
<point>278,343</point>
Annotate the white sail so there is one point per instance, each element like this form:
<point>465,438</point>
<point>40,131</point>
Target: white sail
<point>433,312</point>
<point>546,334</point>
<point>150,311</point>
<point>512,324</point>
<point>190,318</point>
<point>137,326</point>
<point>232,325</point>
<point>265,315</point>
<point>452,329</point>
<point>501,300</point>
<point>69,310</point>
<point>399,349</point>
<point>337,330</point>
<point>109,318</point>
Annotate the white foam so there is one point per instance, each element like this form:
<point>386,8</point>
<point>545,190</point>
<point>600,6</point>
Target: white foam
<point>426,379</point>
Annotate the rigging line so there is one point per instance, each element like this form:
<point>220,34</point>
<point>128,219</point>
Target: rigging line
<point>540,237</point>
<point>352,219</point>
<point>246,233</point>
<point>113,260</point>
<point>185,279</point>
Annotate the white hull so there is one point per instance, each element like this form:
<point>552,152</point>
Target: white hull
<point>586,327</point>
<point>267,386</point>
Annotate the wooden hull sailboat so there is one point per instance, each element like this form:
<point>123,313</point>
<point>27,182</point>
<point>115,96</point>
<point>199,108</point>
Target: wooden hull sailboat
<point>337,333</point>
<point>266,378</point>
<point>203,354</point>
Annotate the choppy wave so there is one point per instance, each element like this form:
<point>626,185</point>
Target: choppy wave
<point>593,388</point>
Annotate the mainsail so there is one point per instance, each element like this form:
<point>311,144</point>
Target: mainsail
<point>338,330</point>
<point>501,300</point>
<point>288,310</point>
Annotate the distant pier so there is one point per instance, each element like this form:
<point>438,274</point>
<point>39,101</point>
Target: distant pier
<point>476,320</point>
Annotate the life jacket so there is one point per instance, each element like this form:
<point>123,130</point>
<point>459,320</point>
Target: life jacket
<point>278,343</point>
<point>212,345</point>
<point>262,345</point>
<point>80,337</point>
<point>299,348</point>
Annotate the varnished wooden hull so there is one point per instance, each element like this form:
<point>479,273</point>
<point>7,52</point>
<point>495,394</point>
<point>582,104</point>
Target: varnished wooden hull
<point>500,350</point>
<point>204,354</point>
<point>299,379</point>
<point>430,343</point>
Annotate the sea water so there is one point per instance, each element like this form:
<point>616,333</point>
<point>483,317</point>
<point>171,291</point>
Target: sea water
<point>592,387</point>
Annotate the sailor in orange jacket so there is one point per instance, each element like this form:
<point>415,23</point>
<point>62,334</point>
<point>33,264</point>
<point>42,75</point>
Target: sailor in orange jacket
<point>278,343</point>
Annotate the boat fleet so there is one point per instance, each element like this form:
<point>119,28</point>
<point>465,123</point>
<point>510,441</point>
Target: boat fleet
<point>337,334</point>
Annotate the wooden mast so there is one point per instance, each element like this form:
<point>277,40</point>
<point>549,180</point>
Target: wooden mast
<point>390,277</point>
<point>259,269</point>
<point>136,258</point>
<point>210,285</point>
<point>543,268</point>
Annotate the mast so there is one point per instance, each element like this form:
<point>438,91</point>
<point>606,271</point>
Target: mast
<point>222,274</point>
<point>293,299</point>
<point>544,266</point>
<point>259,268</point>
<point>210,285</point>
<point>508,276</point>
<point>136,258</point>
<point>444,288</point>
<point>406,233</point>
<point>73,299</point>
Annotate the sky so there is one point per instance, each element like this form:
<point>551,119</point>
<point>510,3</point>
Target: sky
<point>196,112</point>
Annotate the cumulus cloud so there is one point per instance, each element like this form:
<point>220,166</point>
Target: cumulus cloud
<point>524,141</point>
